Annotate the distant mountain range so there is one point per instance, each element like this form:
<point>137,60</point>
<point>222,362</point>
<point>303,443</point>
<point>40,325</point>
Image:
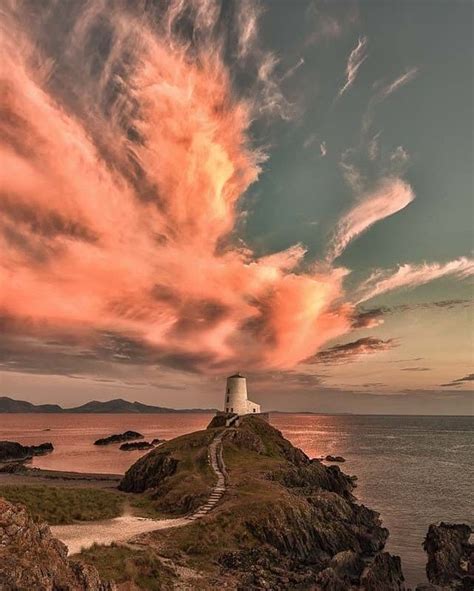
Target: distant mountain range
<point>116,406</point>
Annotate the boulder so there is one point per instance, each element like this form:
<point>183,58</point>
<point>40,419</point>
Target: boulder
<point>31,558</point>
<point>450,556</point>
<point>334,459</point>
<point>119,438</point>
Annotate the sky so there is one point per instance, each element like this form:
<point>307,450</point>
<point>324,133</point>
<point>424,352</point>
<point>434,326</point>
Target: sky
<point>282,188</point>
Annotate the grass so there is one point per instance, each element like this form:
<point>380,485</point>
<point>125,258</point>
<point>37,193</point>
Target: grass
<point>122,564</point>
<point>59,506</point>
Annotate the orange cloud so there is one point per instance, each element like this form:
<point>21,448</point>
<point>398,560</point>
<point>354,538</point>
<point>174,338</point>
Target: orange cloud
<point>136,237</point>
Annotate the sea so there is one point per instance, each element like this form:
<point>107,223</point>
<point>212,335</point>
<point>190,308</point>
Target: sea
<point>413,470</point>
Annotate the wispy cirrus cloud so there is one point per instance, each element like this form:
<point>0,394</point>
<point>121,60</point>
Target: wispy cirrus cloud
<point>356,58</point>
<point>389,197</point>
<point>383,91</point>
<point>408,276</point>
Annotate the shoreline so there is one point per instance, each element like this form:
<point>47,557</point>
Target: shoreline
<point>32,476</point>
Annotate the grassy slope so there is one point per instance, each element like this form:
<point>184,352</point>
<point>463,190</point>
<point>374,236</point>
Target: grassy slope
<point>57,505</point>
<point>188,487</point>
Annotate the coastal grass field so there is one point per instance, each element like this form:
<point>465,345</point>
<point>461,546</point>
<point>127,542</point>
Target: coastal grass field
<point>61,506</point>
<point>122,564</point>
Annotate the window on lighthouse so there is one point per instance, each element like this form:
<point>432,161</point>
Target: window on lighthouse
<point>228,398</point>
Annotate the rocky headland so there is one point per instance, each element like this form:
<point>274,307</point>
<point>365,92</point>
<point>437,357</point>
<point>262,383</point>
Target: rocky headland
<point>285,522</point>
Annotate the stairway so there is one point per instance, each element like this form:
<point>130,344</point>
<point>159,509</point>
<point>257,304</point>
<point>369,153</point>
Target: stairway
<point>217,464</point>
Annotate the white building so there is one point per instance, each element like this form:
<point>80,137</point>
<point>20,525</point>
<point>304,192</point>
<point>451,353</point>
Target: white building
<point>236,400</point>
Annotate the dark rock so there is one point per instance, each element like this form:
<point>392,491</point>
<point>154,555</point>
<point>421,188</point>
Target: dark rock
<point>348,565</point>
<point>13,451</point>
<point>148,472</point>
<point>334,459</point>
<point>328,580</point>
<point>31,558</point>
<point>157,441</point>
<point>450,556</point>
<point>119,438</point>
<point>136,445</point>
<point>41,449</point>
<point>384,574</point>
<point>219,420</point>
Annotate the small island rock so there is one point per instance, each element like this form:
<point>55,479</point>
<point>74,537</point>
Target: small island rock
<point>119,438</point>
<point>334,459</point>
<point>11,451</point>
<point>136,445</point>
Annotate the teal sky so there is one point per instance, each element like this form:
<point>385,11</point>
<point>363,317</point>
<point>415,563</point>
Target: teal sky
<point>418,356</point>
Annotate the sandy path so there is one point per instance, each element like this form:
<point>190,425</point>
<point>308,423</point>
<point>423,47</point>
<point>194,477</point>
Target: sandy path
<point>121,529</point>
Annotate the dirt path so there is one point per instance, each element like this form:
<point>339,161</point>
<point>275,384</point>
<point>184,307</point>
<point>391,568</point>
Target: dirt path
<point>121,529</point>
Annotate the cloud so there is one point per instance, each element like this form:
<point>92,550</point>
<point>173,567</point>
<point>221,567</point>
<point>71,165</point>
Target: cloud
<point>330,21</point>
<point>373,317</point>
<point>132,233</point>
<point>409,276</point>
<point>368,318</point>
<point>389,196</point>
<point>323,149</point>
<point>124,253</point>
<point>292,70</point>
<point>384,91</point>
<point>460,381</point>
<point>356,58</point>
<point>349,352</point>
<point>416,369</point>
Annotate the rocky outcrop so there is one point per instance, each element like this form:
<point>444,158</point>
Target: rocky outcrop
<point>11,451</point>
<point>334,459</point>
<point>450,556</point>
<point>119,438</point>
<point>383,574</point>
<point>136,445</point>
<point>31,558</point>
<point>149,472</point>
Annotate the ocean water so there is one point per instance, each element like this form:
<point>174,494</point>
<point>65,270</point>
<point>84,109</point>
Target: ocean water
<point>413,470</point>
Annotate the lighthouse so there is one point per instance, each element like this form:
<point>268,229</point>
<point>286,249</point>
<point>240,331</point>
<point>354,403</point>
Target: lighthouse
<point>236,400</point>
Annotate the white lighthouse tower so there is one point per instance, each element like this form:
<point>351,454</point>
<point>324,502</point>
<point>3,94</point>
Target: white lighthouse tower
<point>236,400</point>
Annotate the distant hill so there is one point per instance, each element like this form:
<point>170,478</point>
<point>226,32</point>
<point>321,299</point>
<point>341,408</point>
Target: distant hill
<point>117,406</point>
<point>15,406</point>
